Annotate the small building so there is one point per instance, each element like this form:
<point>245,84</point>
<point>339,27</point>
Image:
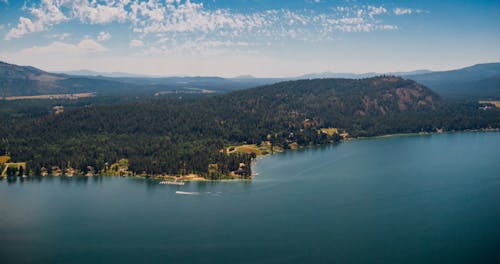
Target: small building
<point>56,171</point>
<point>58,109</point>
<point>309,123</point>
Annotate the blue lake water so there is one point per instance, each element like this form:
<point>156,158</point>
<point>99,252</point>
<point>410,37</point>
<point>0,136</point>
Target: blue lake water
<point>412,199</point>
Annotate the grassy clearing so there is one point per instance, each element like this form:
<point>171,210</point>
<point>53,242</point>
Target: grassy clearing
<point>50,96</point>
<point>4,159</point>
<point>258,150</point>
<point>330,131</point>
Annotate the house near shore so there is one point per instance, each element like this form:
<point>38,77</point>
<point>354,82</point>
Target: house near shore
<point>58,109</point>
<point>8,167</point>
<point>56,171</point>
<point>309,123</point>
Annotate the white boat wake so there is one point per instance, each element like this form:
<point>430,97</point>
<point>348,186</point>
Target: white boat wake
<point>187,193</point>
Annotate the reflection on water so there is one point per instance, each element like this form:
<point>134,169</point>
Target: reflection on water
<point>79,180</point>
<point>201,187</point>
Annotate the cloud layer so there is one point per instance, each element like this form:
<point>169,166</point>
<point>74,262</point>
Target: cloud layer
<point>177,17</point>
<point>174,35</point>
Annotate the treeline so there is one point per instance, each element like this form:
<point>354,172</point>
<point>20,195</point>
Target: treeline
<point>173,136</point>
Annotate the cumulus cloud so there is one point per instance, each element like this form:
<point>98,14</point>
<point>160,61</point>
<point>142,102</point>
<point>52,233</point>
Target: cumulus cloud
<point>402,11</point>
<point>84,47</point>
<point>52,12</point>
<point>182,17</point>
<point>94,12</point>
<point>45,15</point>
<point>103,36</point>
<point>135,43</point>
<point>183,25</point>
<point>58,55</point>
<point>374,11</point>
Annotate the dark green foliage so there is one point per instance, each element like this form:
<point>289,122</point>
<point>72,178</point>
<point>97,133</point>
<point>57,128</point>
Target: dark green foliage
<point>175,136</point>
<point>11,171</point>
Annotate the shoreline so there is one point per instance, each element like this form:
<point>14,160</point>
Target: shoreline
<point>424,134</point>
<point>198,178</point>
<point>385,136</point>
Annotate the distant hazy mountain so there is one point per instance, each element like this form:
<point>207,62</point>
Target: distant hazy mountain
<point>324,75</point>
<point>25,80</point>
<point>245,77</point>
<point>105,74</point>
<point>479,81</point>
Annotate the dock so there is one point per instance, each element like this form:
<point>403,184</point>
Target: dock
<point>179,183</point>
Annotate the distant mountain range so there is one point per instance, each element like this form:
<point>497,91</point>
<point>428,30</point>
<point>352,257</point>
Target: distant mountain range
<point>481,81</point>
<point>478,81</point>
<point>18,80</point>
<point>324,75</point>
<point>103,74</point>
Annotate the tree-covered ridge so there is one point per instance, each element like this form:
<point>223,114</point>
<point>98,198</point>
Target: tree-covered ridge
<point>172,136</point>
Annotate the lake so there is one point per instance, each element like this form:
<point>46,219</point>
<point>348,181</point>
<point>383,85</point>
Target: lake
<point>409,199</point>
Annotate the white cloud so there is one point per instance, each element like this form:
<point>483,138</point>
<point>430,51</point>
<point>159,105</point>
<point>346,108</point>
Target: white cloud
<point>402,11</point>
<point>181,25</point>
<point>86,46</point>
<point>186,17</point>
<point>103,36</point>
<point>96,13</point>
<point>61,55</point>
<point>373,10</point>
<point>135,43</point>
<point>24,27</point>
<point>52,12</point>
<point>45,15</point>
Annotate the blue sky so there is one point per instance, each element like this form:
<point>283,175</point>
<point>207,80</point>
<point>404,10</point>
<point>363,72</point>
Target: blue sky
<point>258,37</point>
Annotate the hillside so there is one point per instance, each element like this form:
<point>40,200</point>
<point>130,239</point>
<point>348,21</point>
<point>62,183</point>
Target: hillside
<point>26,81</point>
<point>481,81</point>
<point>347,75</point>
<point>186,136</point>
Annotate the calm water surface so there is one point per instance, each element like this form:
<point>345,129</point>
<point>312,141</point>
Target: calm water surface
<point>417,199</point>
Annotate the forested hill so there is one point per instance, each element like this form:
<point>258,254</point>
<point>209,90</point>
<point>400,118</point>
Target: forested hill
<point>189,136</point>
<point>25,80</point>
<point>348,97</point>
